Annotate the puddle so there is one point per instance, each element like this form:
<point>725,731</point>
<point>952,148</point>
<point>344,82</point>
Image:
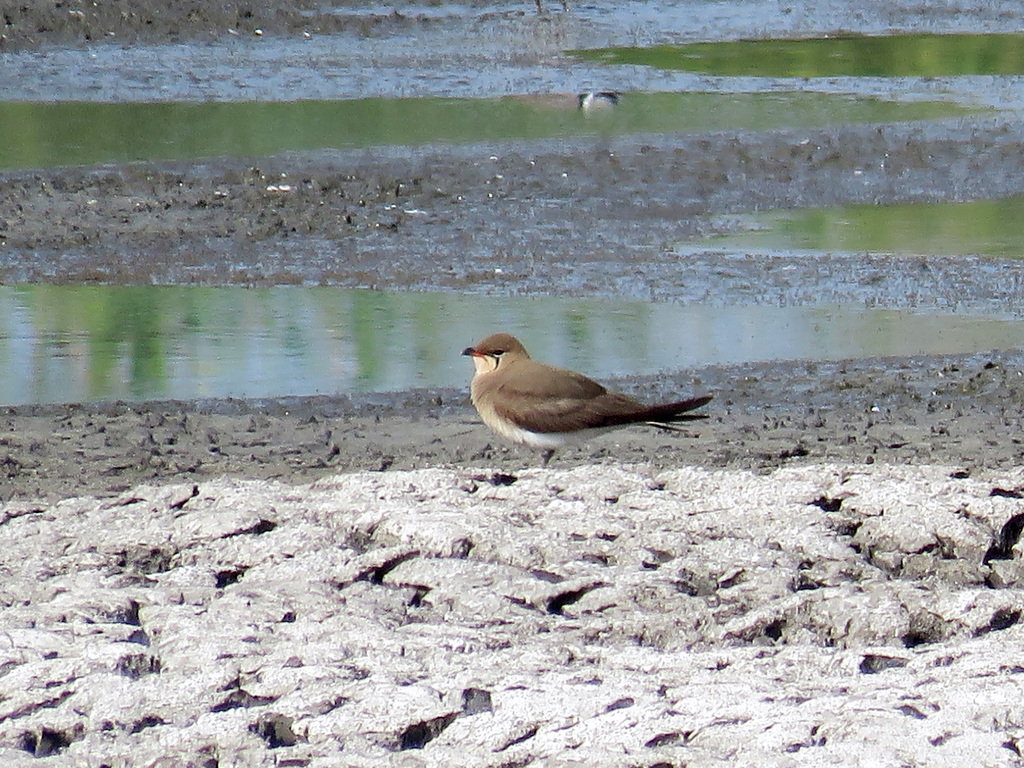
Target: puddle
<point>73,343</point>
<point>38,135</point>
<point>914,55</point>
<point>984,228</point>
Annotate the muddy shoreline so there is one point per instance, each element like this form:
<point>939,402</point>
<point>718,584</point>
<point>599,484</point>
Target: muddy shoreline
<point>28,27</point>
<point>605,221</point>
<point>963,411</point>
<point>579,217</point>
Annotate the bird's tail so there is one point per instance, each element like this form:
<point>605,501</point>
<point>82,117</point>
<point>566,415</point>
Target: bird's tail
<point>669,412</point>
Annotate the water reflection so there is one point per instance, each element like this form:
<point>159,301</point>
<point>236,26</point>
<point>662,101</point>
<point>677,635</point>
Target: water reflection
<point>73,343</point>
<point>916,55</point>
<point>78,133</point>
<point>985,227</point>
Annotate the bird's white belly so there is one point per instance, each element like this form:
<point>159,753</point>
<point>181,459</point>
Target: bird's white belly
<point>542,440</point>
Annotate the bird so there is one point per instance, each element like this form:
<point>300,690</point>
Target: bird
<point>544,407</point>
<point>593,101</point>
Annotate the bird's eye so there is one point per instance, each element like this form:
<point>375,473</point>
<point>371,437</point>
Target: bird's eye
<point>498,352</point>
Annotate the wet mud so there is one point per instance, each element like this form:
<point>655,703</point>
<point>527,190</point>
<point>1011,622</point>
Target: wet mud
<point>964,411</point>
<point>31,26</point>
<point>584,217</point>
<point>557,217</point>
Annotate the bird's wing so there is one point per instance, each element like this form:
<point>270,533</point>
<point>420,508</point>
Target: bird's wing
<point>569,414</point>
<point>565,411</point>
<point>540,398</point>
<point>536,381</point>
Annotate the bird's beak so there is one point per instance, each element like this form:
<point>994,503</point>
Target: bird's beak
<point>470,352</point>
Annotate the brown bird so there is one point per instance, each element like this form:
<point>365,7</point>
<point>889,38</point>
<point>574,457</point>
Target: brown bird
<point>544,407</point>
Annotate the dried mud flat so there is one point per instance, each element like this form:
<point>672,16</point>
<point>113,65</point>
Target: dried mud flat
<point>826,571</point>
<point>825,614</point>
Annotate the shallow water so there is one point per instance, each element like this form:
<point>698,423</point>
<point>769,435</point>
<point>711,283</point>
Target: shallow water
<point>71,344</point>
<point>915,55</point>
<point>993,228</point>
<point>38,135</point>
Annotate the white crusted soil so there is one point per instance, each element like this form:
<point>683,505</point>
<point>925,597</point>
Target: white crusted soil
<point>855,615</point>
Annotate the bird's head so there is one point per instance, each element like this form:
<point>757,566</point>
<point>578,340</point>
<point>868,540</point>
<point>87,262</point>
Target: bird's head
<point>494,351</point>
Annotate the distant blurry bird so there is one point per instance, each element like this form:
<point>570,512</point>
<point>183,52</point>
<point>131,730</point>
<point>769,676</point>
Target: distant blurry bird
<point>540,9</point>
<point>588,101</point>
<point>593,101</point>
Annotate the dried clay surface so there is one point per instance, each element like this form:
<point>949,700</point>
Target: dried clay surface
<point>826,614</point>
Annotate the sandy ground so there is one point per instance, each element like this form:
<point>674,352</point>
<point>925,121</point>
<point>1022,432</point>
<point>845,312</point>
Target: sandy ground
<point>825,571</point>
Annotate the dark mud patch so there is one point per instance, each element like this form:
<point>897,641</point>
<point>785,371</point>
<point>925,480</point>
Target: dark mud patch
<point>30,25</point>
<point>963,411</point>
<point>562,217</point>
